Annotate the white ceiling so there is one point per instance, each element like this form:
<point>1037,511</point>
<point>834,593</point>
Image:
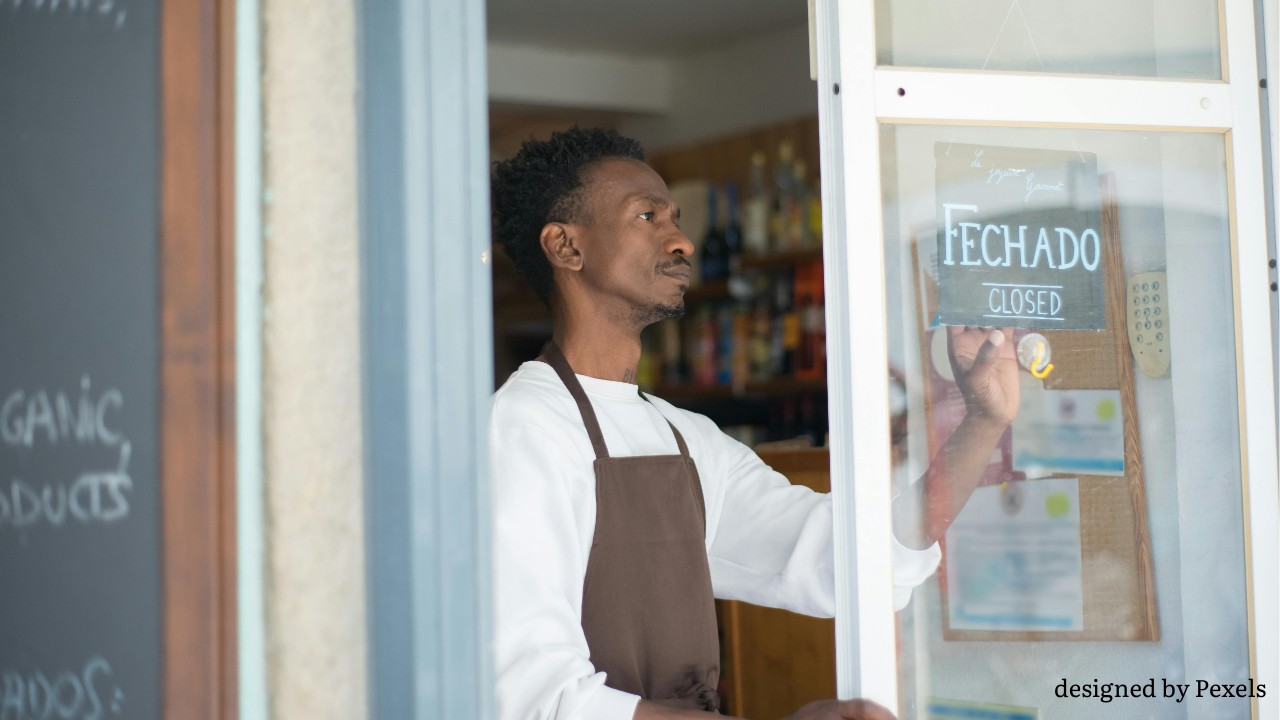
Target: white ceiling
<point>638,27</point>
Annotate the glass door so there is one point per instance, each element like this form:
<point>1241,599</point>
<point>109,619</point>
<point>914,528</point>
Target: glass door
<point>1085,178</point>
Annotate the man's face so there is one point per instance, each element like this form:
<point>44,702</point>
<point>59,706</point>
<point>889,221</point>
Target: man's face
<point>634,252</point>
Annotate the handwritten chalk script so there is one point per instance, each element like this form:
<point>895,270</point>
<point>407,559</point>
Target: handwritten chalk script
<point>112,10</point>
<point>86,693</point>
<point>35,420</point>
<point>997,175</point>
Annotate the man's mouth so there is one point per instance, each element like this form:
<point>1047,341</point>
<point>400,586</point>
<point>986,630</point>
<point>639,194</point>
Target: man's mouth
<point>680,271</point>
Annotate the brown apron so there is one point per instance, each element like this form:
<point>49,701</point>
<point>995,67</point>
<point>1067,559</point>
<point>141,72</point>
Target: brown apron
<point>647,608</point>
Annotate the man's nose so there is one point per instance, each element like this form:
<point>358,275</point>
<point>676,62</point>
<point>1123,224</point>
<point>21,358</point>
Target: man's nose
<point>679,244</point>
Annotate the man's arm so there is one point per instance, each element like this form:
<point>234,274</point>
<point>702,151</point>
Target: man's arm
<point>986,371</point>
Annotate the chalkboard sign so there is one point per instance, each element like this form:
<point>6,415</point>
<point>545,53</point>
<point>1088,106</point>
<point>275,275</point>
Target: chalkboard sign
<point>1018,238</point>
<point>80,604</point>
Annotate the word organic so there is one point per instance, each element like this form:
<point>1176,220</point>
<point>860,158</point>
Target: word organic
<point>1106,692</point>
<point>38,421</point>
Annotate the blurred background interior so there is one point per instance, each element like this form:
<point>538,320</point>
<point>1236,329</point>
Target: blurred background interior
<point>720,95</point>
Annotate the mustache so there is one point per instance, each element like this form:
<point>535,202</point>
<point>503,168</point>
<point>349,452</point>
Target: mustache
<point>672,264</point>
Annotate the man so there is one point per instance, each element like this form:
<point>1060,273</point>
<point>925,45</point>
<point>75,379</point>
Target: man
<point>617,516</point>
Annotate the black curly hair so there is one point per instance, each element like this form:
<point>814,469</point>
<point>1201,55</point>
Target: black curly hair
<point>542,184</point>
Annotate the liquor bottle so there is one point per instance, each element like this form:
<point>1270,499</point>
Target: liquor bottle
<point>813,334</point>
<point>732,230</point>
<point>802,302</point>
<point>817,323</point>
<point>798,210</point>
<point>715,253</point>
<point>783,175</point>
<point>741,372</point>
<point>645,370</point>
<point>761,337</point>
<point>724,345</point>
<point>675,370</point>
<point>704,360</point>
<point>786,331</point>
<point>815,213</point>
<point>755,211</point>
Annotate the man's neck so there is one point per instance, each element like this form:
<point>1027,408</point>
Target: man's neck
<point>604,352</point>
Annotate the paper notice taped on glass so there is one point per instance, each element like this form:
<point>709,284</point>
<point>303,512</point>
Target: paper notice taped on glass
<point>1068,431</point>
<point>1013,558</point>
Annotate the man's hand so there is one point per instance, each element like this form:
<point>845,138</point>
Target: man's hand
<point>986,371</point>
<point>842,710</point>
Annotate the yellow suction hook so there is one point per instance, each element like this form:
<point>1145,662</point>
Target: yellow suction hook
<point>1040,373</point>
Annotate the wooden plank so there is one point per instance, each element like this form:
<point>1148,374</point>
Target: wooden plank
<point>197,363</point>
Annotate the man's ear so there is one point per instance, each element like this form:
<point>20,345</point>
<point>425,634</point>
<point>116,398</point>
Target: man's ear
<point>559,246</point>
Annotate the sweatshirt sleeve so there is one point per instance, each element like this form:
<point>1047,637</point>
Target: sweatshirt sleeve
<point>774,542</point>
<point>543,667</point>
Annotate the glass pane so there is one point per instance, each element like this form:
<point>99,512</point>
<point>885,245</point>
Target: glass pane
<point>1103,544</point>
<point>1150,38</point>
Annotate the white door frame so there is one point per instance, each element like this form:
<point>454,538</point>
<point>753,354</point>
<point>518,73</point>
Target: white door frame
<point>855,97</point>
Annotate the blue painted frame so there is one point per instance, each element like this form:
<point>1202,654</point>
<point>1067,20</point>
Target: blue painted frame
<point>428,356</point>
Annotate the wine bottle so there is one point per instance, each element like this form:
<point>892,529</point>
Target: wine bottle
<point>724,345</point>
<point>715,253</point>
<point>732,230</point>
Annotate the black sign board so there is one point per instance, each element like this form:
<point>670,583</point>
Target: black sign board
<point>80,632</point>
<point>1019,241</point>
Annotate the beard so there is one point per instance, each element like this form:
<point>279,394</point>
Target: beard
<point>646,315</point>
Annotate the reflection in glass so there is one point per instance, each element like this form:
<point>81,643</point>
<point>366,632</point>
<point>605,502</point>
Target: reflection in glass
<point>1153,38</point>
<point>1104,543</point>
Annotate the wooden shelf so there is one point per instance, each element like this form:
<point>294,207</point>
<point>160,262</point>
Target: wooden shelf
<point>718,290</point>
<point>775,387</point>
<point>708,291</point>
<point>787,386</point>
<point>786,258</point>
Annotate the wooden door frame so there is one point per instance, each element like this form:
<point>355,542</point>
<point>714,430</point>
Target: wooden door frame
<point>197,438</point>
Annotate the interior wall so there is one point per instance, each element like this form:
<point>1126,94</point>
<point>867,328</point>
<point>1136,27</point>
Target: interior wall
<point>726,90</point>
<point>665,102</point>
<point>316,638</point>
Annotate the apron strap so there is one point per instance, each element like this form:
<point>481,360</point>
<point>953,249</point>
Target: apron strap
<point>552,355</point>
<point>555,358</point>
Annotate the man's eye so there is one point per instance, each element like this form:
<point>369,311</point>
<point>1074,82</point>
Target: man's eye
<point>647,216</point>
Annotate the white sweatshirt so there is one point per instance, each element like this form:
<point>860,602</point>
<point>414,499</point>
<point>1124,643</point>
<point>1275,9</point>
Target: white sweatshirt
<point>768,542</point>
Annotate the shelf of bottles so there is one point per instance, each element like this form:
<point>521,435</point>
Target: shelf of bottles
<point>751,349</point>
